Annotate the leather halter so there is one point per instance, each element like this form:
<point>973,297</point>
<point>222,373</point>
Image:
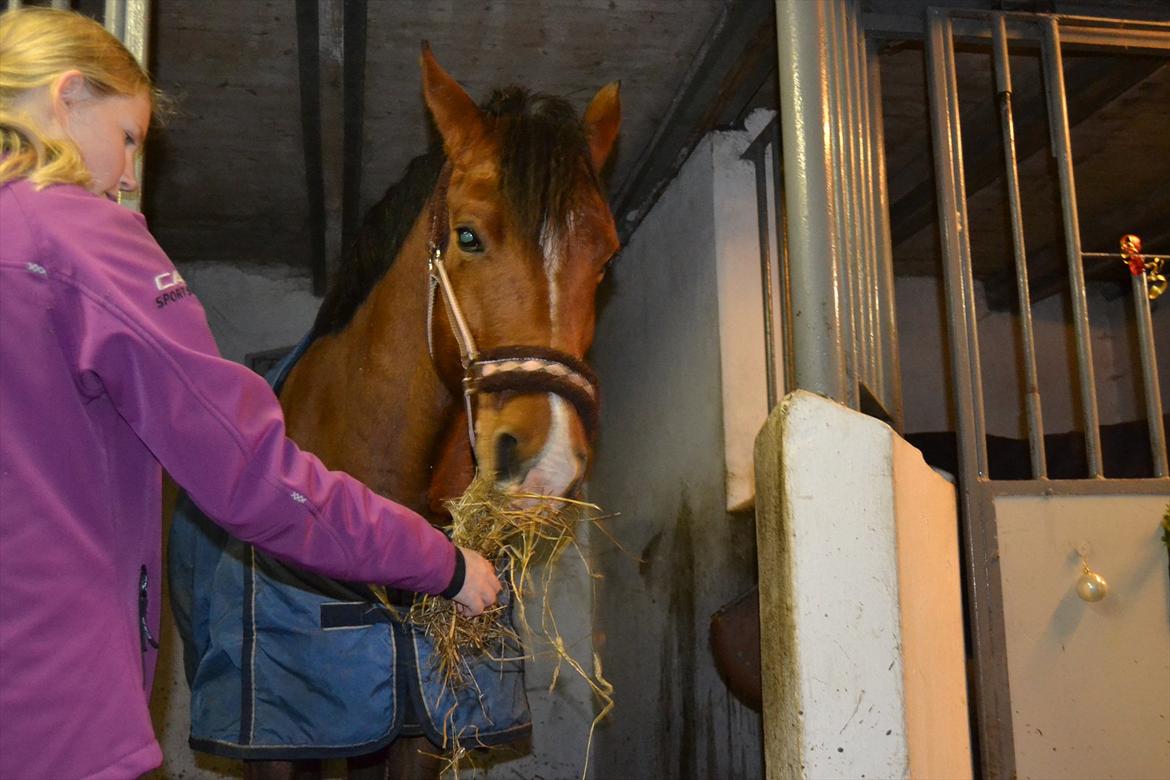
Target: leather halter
<point>519,369</point>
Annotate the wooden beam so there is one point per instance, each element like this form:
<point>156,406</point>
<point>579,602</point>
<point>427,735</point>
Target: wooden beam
<point>331,54</point>
<point>307,40</point>
<point>354,89</point>
<point>737,58</point>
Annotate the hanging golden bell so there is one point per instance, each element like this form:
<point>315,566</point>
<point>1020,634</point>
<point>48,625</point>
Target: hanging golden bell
<point>1091,586</point>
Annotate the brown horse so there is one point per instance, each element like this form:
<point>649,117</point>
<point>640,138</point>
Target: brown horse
<point>515,236</point>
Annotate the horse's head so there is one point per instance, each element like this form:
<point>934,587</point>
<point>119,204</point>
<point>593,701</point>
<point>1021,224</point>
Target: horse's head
<point>527,234</point>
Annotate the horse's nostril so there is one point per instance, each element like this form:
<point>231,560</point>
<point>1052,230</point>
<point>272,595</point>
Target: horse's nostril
<point>507,458</point>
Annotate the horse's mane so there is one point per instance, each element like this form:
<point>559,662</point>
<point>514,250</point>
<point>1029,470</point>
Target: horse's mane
<point>544,160</point>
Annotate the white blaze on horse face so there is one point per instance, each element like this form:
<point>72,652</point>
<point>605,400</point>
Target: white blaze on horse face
<point>550,247</point>
<point>557,467</point>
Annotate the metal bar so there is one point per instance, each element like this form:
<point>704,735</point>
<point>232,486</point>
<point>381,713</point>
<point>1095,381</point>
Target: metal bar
<point>1149,365</point>
<point>857,264</point>
<point>129,22</point>
<point>60,5</point>
<point>888,320</point>
<point>14,4</point>
<point>957,272</point>
<point>814,249</point>
<point>1058,119</point>
<point>1077,487</point>
<point>991,694</point>
<point>1125,36</point>
<point>844,213</point>
<point>785,282</point>
<point>862,133</point>
<point>758,162</point>
<point>1118,256</point>
<point>1031,382</point>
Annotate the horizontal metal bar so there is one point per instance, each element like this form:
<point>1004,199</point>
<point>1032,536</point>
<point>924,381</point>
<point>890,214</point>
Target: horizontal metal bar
<point>1074,30</point>
<point>1119,256</point>
<point>1076,487</point>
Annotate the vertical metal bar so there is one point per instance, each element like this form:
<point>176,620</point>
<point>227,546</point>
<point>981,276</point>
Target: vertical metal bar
<point>60,5</point>
<point>129,22</point>
<point>814,249</point>
<point>1149,364</point>
<point>844,214</point>
<point>994,715</point>
<point>956,248</point>
<point>857,268</point>
<point>785,282</point>
<point>759,163</point>
<point>1058,119</point>
<point>1031,382</point>
<point>865,226</point>
<point>883,252</point>
<point>14,4</point>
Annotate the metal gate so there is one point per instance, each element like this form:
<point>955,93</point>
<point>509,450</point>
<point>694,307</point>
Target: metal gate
<point>978,492</point>
<point>830,236</point>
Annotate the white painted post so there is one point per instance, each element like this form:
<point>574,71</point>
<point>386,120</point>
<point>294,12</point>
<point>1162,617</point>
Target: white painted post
<point>861,620</point>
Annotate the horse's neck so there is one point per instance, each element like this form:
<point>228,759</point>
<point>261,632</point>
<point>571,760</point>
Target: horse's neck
<point>367,400</point>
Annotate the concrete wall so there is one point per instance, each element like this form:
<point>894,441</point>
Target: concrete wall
<point>660,463</point>
<point>922,342</point>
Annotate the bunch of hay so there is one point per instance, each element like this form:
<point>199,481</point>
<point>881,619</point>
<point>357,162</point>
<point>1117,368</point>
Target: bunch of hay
<point>515,532</point>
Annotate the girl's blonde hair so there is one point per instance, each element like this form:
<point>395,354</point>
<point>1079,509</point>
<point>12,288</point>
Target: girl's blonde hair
<point>36,46</point>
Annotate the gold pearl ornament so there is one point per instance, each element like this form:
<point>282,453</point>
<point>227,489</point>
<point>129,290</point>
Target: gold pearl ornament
<point>1091,586</point>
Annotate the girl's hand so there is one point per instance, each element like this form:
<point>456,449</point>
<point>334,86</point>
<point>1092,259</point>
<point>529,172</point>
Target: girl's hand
<point>480,585</point>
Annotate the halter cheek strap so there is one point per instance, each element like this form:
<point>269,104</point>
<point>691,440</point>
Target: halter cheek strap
<point>521,369</point>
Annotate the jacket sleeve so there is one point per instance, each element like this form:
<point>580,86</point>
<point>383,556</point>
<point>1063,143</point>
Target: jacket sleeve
<point>138,335</point>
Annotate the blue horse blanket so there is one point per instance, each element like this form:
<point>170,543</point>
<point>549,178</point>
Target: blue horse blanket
<point>284,664</point>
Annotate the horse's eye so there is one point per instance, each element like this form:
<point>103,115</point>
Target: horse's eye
<point>468,240</point>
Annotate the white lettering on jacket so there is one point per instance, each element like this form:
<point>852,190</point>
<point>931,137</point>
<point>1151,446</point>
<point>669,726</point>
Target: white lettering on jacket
<point>166,281</point>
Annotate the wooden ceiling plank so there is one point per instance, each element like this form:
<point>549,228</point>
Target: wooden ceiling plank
<point>308,58</point>
<point>354,96</point>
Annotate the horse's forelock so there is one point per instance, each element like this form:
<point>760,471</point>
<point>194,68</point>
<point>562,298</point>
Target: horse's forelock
<point>544,157</point>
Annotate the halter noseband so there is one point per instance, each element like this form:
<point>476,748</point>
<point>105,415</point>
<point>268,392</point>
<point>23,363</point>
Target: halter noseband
<point>520,369</point>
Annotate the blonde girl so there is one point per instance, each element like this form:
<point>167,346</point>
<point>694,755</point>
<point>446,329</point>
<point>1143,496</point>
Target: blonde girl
<point>108,373</point>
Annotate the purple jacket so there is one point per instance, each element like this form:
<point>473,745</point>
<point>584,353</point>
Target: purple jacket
<point>107,370</point>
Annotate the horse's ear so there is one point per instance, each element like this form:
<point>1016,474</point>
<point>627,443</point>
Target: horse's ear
<point>602,119</point>
<point>456,116</point>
